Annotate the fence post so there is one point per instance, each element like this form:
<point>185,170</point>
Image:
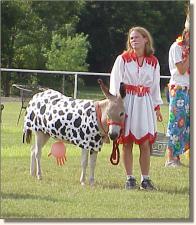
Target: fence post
<point>63,85</point>
<point>75,85</point>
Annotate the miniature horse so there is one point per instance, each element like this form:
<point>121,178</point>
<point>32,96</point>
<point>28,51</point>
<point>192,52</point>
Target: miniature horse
<point>85,123</point>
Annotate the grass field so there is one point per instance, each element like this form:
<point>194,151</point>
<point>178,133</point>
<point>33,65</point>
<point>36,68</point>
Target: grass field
<point>60,195</point>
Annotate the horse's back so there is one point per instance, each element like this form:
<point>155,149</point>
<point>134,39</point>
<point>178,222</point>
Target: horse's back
<point>65,118</point>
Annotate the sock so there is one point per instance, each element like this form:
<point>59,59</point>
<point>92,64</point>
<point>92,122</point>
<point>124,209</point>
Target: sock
<point>144,177</point>
<point>130,176</point>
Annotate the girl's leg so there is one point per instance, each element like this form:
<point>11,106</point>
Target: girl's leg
<point>177,127</point>
<point>170,154</point>
<point>144,159</point>
<point>171,160</point>
<point>127,157</point>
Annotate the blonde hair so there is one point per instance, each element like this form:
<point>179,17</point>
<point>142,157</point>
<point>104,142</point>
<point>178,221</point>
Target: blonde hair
<point>184,33</point>
<point>149,49</point>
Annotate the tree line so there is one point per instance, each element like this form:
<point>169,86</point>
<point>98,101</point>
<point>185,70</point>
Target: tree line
<point>80,35</point>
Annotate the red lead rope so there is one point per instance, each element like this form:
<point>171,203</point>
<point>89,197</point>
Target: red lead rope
<point>115,156</point>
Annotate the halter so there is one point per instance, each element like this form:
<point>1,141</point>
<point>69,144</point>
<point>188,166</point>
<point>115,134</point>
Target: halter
<point>109,121</point>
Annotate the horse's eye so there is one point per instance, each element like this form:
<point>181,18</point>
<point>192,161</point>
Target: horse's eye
<point>121,114</point>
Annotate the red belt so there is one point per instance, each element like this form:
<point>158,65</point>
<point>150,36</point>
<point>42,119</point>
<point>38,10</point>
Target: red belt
<point>137,90</point>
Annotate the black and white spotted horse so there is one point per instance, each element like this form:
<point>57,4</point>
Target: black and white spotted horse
<point>85,123</point>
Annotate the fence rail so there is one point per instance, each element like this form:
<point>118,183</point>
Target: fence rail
<point>76,74</point>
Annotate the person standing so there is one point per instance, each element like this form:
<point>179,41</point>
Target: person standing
<point>139,70</point>
<point>179,115</point>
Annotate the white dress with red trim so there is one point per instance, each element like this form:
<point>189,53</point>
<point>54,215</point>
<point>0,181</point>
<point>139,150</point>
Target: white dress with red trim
<point>142,83</point>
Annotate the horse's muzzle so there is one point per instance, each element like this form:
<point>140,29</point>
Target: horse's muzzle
<point>113,136</point>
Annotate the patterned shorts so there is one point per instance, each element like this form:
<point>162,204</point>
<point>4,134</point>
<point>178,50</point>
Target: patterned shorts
<point>179,121</point>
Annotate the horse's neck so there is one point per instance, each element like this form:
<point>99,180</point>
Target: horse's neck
<point>102,116</point>
<point>101,107</point>
<point>103,104</point>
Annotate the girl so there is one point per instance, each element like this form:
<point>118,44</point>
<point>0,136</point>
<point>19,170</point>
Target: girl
<point>179,115</point>
<point>139,70</point>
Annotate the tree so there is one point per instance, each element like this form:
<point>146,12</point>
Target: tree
<point>107,24</point>
<point>22,41</point>
<point>68,54</point>
<point>12,14</point>
<point>27,28</point>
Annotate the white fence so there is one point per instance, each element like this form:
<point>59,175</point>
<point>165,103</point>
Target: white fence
<point>76,74</point>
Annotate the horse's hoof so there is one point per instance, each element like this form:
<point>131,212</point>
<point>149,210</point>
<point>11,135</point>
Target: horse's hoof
<point>39,177</point>
<point>32,173</point>
<point>82,183</point>
<point>91,183</point>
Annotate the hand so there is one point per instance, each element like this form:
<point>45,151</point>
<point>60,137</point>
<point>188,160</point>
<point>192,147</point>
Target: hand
<point>185,55</point>
<point>185,52</point>
<point>186,61</point>
<point>159,116</point>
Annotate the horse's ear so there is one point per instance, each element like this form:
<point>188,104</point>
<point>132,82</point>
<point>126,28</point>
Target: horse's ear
<point>104,89</point>
<point>122,90</point>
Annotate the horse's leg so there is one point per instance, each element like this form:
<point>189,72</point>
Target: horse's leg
<point>32,161</point>
<point>40,141</point>
<point>84,163</point>
<point>93,159</point>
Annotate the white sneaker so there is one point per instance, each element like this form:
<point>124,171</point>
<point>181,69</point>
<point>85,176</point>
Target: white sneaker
<point>172,163</point>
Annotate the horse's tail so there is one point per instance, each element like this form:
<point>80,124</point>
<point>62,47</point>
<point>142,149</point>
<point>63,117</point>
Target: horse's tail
<point>28,135</point>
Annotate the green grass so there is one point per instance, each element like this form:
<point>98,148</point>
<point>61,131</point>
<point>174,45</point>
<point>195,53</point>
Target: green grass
<point>60,195</point>
<point>90,92</point>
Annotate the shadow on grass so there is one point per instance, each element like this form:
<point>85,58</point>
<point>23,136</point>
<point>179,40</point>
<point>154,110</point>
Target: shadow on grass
<point>14,217</point>
<point>17,216</point>
<point>183,191</point>
<point>16,196</point>
<point>164,189</point>
<point>108,185</point>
